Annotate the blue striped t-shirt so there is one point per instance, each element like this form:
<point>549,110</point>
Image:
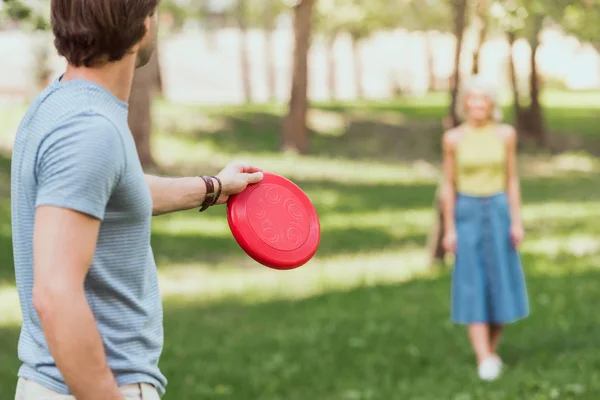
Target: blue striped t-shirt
<point>74,150</point>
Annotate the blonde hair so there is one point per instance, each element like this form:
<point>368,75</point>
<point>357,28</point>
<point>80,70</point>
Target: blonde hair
<point>478,84</point>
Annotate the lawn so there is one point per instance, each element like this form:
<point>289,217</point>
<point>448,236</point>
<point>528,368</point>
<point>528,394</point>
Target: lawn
<point>366,319</point>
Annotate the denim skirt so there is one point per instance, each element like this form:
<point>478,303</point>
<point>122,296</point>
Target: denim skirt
<point>488,283</point>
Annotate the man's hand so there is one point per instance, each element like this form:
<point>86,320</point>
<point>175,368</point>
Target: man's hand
<point>235,177</point>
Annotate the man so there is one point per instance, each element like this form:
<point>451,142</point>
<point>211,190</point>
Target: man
<point>82,208</point>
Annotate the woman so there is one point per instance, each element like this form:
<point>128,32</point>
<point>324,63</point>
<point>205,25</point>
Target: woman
<point>483,225</point>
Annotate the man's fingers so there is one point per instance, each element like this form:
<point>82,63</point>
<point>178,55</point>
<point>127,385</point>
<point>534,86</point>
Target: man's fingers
<point>254,177</point>
<point>244,167</point>
<point>249,169</point>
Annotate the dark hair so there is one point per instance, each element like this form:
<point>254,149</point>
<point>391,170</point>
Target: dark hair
<point>91,33</point>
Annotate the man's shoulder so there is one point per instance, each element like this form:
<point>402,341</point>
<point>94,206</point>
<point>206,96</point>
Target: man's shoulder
<point>63,105</point>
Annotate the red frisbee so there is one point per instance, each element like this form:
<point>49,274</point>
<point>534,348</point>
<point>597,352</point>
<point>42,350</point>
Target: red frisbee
<point>275,223</point>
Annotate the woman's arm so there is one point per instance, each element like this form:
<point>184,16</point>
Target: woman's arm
<point>513,186</point>
<point>448,194</point>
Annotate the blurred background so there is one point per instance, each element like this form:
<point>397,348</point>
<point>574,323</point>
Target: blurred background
<point>349,99</point>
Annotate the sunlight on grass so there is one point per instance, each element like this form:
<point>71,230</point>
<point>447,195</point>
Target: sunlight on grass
<point>545,166</point>
<point>421,218</point>
<point>10,310</point>
<point>560,211</point>
<point>10,117</point>
<point>181,120</point>
<point>183,224</point>
<point>326,122</point>
<point>577,244</point>
<point>571,99</point>
<point>257,283</point>
<point>178,153</point>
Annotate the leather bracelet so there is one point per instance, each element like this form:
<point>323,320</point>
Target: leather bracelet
<point>210,193</point>
<point>219,191</point>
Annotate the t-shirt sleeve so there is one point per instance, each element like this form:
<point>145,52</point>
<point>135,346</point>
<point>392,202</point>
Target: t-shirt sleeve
<point>79,165</point>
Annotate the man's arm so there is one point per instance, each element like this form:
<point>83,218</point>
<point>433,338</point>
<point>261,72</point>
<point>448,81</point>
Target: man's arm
<point>77,169</point>
<point>60,268</point>
<point>178,194</point>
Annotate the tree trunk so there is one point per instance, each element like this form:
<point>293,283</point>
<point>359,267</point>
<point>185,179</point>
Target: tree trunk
<point>358,70</point>
<point>295,130</point>
<point>482,16</point>
<point>271,71</point>
<point>460,16</point>
<point>535,116</point>
<point>435,245</point>
<point>269,28</point>
<point>515,83</point>
<point>145,83</point>
<point>244,59</point>
<point>332,67</point>
<point>430,50</point>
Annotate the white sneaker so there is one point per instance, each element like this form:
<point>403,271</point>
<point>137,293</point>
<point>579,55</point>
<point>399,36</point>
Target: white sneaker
<point>489,369</point>
<point>498,361</point>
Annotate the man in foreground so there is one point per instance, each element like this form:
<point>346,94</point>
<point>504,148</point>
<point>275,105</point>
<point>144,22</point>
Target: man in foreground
<point>81,215</point>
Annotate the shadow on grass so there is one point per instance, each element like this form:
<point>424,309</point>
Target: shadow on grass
<point>384,131</point>
<point>9,363</point>
<point>356,200</point>
<point>174,249</point>
<point>353,137</point>
<point>6,252</point>
<point>4,174</point>
<point>7,271</point>
<point>380,343</point>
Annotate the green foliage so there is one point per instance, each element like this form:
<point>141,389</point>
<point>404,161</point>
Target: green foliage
<point>526,17</point>
<point>358,18</point>
<point>425,15</point>
<point>33,14</point>
<point>177,11</point>
<point>582,19</point>
<point>264,13</point>
<point>361,19</point>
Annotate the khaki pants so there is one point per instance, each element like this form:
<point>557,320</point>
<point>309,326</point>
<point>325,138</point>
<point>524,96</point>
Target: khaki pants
<point>28,390</point>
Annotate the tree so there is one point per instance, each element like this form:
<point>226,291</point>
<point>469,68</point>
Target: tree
<point>146,82</point>
<point>264,14</point>
<point>580,18</point>
<point>30,14</point>
<point>357,18</point>
<point>328,23</point>
<point>241,11</point>
<point>525,19</point>
<point>270,15</point>
<point>459,11</point>
<point>295,130</point>
<point>427,16</point>
<point>481,16</point>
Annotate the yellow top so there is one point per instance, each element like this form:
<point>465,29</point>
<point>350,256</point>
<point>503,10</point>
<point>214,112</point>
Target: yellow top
<point>481,162</point>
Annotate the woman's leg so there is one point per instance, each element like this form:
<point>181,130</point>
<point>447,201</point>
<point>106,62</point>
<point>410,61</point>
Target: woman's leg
<point>480,340</point>
<point>495,336</point>
<point>488,365</point>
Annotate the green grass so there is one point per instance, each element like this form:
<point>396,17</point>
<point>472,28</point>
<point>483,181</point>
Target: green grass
<point>366,319</point>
